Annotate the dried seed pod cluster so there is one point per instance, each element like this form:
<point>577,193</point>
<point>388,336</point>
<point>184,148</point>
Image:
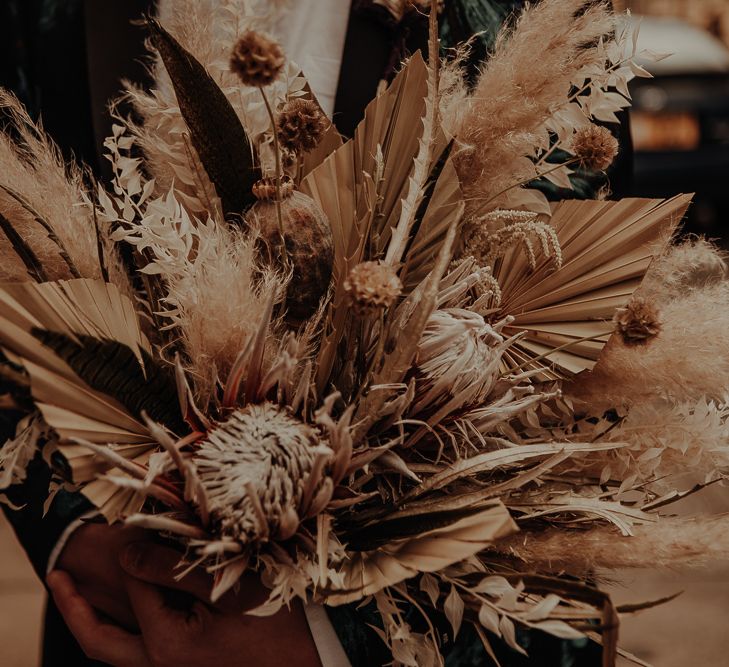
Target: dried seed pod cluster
<point>307,238</point>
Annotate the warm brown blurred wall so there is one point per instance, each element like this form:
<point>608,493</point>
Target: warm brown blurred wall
<point>712,15</point>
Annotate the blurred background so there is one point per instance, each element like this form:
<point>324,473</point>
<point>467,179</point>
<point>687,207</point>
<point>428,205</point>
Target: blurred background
<point>680,118</point>
<point>680,130</point>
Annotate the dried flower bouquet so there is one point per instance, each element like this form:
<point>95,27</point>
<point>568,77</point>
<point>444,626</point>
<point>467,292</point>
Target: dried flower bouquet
<point>382,369</point>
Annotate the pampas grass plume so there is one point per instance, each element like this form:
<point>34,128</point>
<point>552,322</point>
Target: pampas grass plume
<point>32,166</point>
<point>670,542</point>
<point>517,92</point>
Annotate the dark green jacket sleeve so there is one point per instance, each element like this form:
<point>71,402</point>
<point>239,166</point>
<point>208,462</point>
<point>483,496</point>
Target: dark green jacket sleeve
<point>38,533</point>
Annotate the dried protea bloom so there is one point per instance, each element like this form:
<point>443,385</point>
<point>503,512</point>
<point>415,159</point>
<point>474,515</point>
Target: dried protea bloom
<point>371,287</point>
<point>595,147</point>
<point>258,473</point>
<point>256,59</point>
<point>638,322</point>
<point>458,360</point>
<point>301,125</point>
<point>308,239</point>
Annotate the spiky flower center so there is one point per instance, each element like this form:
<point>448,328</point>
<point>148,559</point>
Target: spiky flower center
<point>254,468</point>
<point>459,355</point>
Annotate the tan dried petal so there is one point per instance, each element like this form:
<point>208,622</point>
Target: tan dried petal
<point>257,59</point>
<point>638,322</point>
<point>372,286</point>
<point>595,147</point>
<point>301,125</point>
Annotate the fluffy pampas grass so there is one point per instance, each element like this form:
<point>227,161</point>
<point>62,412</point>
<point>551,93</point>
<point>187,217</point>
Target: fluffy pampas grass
<point>206,29</point>
<point>219,300</point>
<point>527,78</point>
<point>688,359</point>
<point>32,167</point>
<point>663,544</point>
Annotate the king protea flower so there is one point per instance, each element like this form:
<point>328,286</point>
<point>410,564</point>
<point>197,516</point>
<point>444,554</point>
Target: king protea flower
<point>458,361</point>
<point>259,471</point>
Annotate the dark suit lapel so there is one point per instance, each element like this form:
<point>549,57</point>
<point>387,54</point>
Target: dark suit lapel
<point>374,47</point>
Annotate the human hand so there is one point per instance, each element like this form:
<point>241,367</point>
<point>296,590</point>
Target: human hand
<point>194,634</point>
<point>91,558</point>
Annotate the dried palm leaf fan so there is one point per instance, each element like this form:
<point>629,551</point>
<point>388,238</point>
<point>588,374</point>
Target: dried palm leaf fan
<point>566,313</point>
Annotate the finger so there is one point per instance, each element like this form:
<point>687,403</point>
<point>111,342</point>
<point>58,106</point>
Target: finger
<point>167,632</point>
<point>100,641</point>
<point>157,565</point>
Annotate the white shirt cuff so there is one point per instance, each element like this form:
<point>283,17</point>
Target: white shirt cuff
<point>327,643</point>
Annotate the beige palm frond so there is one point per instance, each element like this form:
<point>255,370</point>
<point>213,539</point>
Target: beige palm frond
<point>361,185</point>
<point>607,247</point>
<point>367,572</point>
<point>76,412</point>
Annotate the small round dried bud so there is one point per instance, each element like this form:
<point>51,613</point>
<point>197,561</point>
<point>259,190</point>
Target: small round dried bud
<point>595,147</point>
<point>638,322</point>
<point>265,189</point>
<point>256,59</point>
<point>301,125</point>
<point>372,286</point>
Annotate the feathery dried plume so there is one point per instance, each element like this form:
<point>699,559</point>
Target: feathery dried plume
<point>595,147</point>
<point>257,59</point>
<point>301,125</point>
<point>254,469</point>
<point>638,322</point>
<point>36,186</point>
<point>517,94</point>
<point>666,543</point>
<point>692,264</point>
<point>216,289</point>
<point>686,362</point>
<point>486,238</point>
<point>371,287</point>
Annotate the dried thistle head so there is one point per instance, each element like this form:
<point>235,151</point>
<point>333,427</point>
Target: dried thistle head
<point>638,322</point>
<point>595,147</point>
<point>257,470</point>
<point>301,125</point>
<point>257,59</point>
<point>371,287</point>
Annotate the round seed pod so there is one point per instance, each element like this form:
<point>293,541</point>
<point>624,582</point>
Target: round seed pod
<point>308,241</point>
